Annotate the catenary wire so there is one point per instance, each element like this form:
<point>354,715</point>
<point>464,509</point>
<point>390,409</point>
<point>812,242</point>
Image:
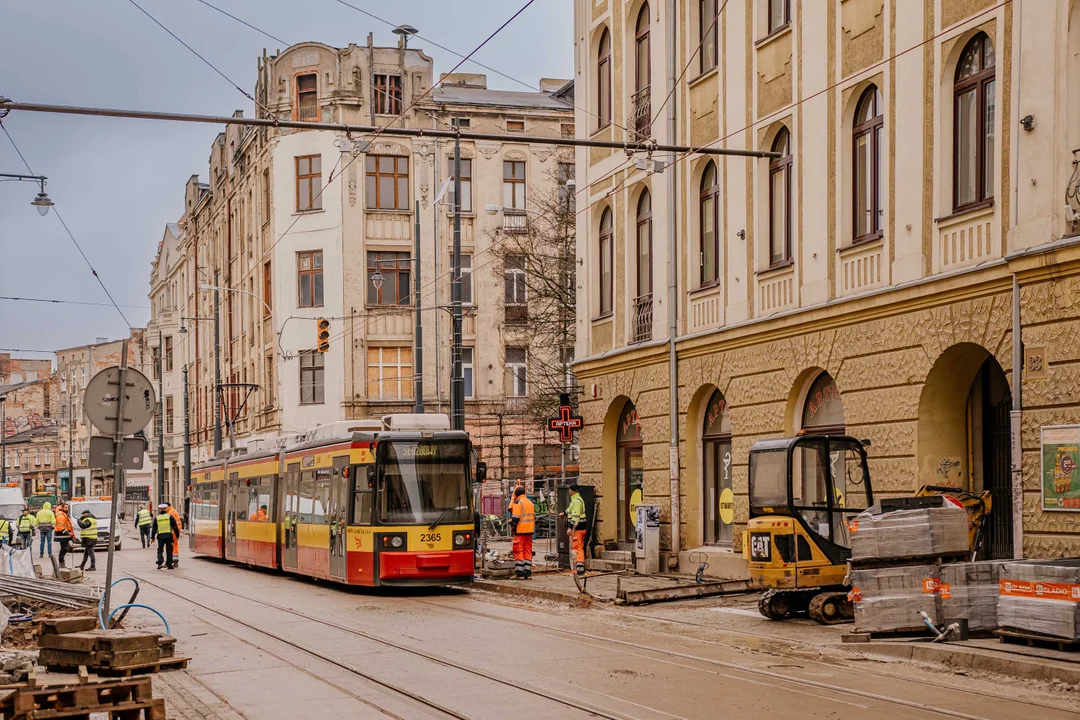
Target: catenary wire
<point>56,211</point>
<point>195,52</point>
<point>243,22</point>
<point>67,302</point>
<point>689,62</point>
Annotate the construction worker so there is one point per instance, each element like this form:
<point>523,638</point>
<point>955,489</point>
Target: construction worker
<point>7,531</point>
<point>64,531</point>
<point>25,525</point>
<point>46,521</point>
<point>523,522</point>
<point>176,536</point>
<point>575,527</point>
<point>259,515</point>
<point>166,527</point>
<point>88,535</point>
<point>144,519</point>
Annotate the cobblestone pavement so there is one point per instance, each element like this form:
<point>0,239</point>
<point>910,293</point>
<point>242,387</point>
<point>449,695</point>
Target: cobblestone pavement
<point>266,645</point>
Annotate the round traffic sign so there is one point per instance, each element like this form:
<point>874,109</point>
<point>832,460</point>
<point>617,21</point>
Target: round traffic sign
<point>103,392</point>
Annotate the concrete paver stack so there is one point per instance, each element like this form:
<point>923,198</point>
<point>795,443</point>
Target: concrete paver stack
<point>1042,598</point>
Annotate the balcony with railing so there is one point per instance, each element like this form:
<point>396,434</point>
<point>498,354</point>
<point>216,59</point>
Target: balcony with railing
<point>516,314</point>
<point>641,113</point>
<point>643,318</point>
<point>514,221</point>
<point>308,113</point>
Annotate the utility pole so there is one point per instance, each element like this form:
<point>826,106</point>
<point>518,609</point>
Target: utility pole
<point>71,442</point>
<point>457,380</point>
<point>3,442</point>
<point>187,439</point>
<point>418,350</point>
<point>118,468</point>
<point>217,368</point>
<point>161,419</point>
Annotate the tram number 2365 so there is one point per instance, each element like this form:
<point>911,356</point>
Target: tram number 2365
<point>430,537</point>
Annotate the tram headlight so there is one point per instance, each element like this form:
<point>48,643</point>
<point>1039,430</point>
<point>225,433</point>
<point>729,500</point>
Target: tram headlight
<point>463,539</point>
<point>392,541</point>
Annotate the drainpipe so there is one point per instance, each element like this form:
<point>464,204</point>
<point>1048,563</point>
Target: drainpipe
<point>1015,418</point>
<point>673,300</point>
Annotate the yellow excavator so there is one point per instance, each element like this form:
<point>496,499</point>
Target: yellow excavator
<point>804,491</point>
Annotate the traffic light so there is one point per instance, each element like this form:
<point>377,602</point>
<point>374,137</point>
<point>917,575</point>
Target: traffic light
<point>324,334</point>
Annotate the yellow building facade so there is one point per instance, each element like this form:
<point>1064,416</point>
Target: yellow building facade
<point>919,211</point>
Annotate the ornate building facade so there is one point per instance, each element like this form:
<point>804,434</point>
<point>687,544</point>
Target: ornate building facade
<point>871,277</point>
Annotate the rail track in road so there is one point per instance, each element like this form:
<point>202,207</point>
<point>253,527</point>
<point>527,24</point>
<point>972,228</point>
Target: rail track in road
<point>807,645</point>
<point>715,667</point>
<point>505,683</point>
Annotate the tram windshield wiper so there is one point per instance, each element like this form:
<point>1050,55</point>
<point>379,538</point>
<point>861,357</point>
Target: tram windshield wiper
<point>445,513</point>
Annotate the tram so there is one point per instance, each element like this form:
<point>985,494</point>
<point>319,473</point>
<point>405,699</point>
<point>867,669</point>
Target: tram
<point>361,503</point>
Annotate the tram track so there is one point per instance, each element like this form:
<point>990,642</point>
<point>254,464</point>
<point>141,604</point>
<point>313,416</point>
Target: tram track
<point>575,704</point>
<point>808,646</point>
<point>677,658</point>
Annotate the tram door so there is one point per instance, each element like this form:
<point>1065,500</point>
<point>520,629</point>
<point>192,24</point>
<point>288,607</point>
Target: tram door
<point>232,507</point>
<point>290,515</point>
<point>339,495</point>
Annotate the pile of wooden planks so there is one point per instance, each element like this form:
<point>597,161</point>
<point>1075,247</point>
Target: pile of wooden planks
<point>109,700</point>
<point>68,643</point>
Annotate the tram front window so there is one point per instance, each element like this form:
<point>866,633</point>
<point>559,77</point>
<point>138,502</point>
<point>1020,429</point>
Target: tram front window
<point>423,482</point>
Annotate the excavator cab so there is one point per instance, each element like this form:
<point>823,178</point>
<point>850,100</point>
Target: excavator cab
<point>803,492</point>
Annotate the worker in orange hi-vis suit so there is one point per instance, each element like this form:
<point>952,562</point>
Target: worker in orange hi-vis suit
<point>176,535</point>
<point>523,522</point>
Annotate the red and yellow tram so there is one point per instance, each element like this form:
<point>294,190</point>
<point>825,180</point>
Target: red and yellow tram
<point>352,505</point>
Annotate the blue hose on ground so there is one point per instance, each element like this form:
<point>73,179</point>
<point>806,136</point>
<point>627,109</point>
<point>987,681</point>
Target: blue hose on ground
<point>126,606</point>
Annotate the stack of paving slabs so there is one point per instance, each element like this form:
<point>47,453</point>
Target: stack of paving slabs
<point>1042,598</point>
<point>108,700</point>
<point>923,532</point>
<point>889,599</point>
<point>109,652</point>
<point>969,591</point>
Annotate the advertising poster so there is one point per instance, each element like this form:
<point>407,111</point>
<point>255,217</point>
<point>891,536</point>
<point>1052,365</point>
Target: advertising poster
<point>1061,467</point>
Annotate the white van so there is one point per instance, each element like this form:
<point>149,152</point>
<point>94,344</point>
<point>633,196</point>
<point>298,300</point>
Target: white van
<point>11,504</point>
<point>101,507</point>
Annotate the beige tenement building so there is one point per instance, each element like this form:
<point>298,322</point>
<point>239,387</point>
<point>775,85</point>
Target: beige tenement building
<point>292,226</point>
<point>921,212</point>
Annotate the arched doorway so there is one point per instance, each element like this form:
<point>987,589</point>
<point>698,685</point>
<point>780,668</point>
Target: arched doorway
<point>823,408</point>
<point>631,471</point>
<point>964,435</point>
<point>718,507</point>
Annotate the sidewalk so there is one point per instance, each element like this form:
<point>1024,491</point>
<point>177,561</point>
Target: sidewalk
<point>735,619</point>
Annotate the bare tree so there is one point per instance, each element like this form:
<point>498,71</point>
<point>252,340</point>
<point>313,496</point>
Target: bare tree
<point>537,251</point>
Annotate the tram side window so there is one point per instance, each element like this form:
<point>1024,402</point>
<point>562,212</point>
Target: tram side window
<point>258,500</point>
<point>364,482</point>
<point>322,500</point>
<point>212,511</point>
<point>307,496</point>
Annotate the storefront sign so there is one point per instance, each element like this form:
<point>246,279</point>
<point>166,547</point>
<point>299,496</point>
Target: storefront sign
<point>566,422</point>
<point>1060,452</point>
<point>727,506</point>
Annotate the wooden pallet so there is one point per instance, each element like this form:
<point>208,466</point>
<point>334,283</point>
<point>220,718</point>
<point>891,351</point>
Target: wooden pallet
<point>162,665</point>
<point>874,563</point>
<point>153,709</point>
<point>118,698</point>
<point>1034,639</point>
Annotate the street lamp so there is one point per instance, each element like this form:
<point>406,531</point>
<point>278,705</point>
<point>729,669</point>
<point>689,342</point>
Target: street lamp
<point>207,286</point>
<point>42,201</point>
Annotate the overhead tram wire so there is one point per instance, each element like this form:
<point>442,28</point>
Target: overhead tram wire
<point>13,298</point>
<point>56,211</point>
<point>243,22</point>
<point>194,52</point>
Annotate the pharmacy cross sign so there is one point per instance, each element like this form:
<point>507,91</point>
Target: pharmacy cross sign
<point>567,422</point>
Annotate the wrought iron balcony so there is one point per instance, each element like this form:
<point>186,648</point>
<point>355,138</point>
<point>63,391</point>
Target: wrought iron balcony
<point>641,114</point>
<point>643,318</point>
<point>308,113</point>
<point>514,221</point>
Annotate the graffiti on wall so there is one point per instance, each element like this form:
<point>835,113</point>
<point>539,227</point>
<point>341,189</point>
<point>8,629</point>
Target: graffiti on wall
<point>948,466</point>
<point>30,421</point>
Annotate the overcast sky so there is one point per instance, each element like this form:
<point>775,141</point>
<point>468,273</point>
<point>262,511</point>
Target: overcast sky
<point>117,182</point>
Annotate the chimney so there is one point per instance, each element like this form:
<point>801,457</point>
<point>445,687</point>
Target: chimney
<point>550,85</point>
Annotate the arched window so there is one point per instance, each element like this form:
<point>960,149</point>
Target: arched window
<point>823,409</point>
<point>643,303</point>
<point>603,81</point>
<point>973,155</point>
<point>642,75</point>
<point>707,24</point>
<point>644,244</point>
<point>868,136</point>
<point>780,200</point>
<point>709,219</point>
<point>605,262</point>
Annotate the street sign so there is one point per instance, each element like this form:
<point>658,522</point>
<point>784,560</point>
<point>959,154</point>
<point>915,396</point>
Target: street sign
<point>567,422</point>
<point>102,393</point>
<point>131,453</point>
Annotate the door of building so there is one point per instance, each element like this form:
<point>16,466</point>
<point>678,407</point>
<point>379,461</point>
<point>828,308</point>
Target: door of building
<point>718,501</point>
<point>631,472</point>
<point>997,475</point>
